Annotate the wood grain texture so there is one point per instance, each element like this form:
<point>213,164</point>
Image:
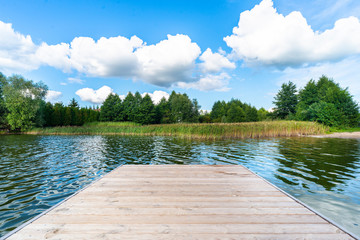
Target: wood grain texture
<point>180,202</point>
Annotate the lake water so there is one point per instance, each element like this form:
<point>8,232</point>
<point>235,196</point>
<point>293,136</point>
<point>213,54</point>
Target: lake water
<point>36,172</point>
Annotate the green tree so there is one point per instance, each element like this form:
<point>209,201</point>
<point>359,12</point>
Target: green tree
<point>146,113</point>
<point>128,105</point>
<point>110,108</point>
<point>136,108</point>
<point>3,110</point>
<point>263,114</point>
<point>75,113</point>
<point>325,100</point>
<point>40,115</point>
<point>48,112</point>
<point>67,116</point>
<point>22,99</point>
<point>195,111</point>
<point>218,111</point>
<point>235,114</point>
<point>205,118</point>
<point>57,117</point>
<point>182,109</point>
<point>325,113</point>
<point>162,111</point>
<point>73,103</point>
<point>286,100</point>
<point>251,113</point>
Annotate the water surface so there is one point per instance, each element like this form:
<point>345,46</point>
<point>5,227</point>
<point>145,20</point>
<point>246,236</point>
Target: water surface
<point>36,172</point>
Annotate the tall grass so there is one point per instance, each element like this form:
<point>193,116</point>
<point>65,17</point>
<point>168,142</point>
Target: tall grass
<point>202,131</point>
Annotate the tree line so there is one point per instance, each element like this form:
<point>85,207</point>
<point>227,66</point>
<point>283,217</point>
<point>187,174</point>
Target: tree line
<point>235,111</point>
<point>135,108</point>
<point>323,101</point>
<point>22,106</point>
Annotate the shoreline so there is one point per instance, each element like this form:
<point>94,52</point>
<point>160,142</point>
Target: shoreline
<point>345,135</point>
<point>211,131</point>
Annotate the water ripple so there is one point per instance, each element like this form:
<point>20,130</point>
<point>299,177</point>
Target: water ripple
<point>36,172</point>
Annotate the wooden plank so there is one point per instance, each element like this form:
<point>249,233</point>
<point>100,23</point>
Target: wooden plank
<point>192,236</point>
<point>147,204</point>
<point>185,228</point>
<point>64,210</point>
<point>180,202</point>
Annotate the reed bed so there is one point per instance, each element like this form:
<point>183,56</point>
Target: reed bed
<point>200,131</point>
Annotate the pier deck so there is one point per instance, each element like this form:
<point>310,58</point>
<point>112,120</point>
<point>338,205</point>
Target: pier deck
<point>180,202</point>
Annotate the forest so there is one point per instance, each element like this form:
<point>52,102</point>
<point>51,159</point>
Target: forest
<point>323,101</point>
<point>23,106</point>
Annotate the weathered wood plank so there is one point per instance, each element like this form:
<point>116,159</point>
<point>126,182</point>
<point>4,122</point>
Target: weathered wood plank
<point>180,202</point>
<point>192,236</point>
<point>64,210</point>
<point>185,228</point>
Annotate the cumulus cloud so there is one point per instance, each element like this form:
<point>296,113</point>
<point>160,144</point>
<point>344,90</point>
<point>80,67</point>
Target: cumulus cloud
<point>168,61</point>
<point>164,64</point>
<point>17,51</point>
<point>52,95</point>
<point>209,83</point>
<point>55,56</point>
<point>94,96</point>
<point>107,57</point>
<point>214,62</point>
<point>263,36</point>
<point>156,96</point>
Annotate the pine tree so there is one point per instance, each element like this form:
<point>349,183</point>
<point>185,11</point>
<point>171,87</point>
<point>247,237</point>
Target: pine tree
<point>67,117</point>
<point>286,100</point>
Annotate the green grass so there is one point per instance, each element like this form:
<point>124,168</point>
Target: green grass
<point>3,132</point>
<point>335,130</point>
<point>111,124</point>
<point>202,131</point>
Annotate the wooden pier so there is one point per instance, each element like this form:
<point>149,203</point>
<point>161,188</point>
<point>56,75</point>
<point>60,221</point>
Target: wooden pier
<point>180,202</point>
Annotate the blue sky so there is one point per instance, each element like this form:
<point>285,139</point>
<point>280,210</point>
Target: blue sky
<point>211,50</point>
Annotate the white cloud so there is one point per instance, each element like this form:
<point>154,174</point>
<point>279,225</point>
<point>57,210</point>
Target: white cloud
<point>52,95</point>
<point>76,80</point>
<point>168,61</point>
<point>209,83</point>
<point>156,96</point>
<point>165,64</point>
<point>55,56</point>
<point>267,37</point>
<point>214,62</point>
<point>107,57</point>
<point>17,51</point>
<point>94,96</point>
<point>344,72</point>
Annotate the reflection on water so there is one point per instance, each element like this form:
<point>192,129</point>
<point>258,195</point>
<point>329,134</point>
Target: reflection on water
<point>36,172</point>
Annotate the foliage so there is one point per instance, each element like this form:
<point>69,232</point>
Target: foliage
<point>205,118</point>
<point>3,110</point>
<point>233,111</point>
<point>109,109</point>
<point>324,112</point>
<point>138,109</point>
<point>194,130</point>
<point>263,114</point>
<point>182,109</point>
<point>22,100</point>
<point>285,100</point>
<point>326,102</point>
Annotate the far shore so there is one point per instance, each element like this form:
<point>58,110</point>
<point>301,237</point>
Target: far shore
<point>354,135</point>
<point>191,130</point>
